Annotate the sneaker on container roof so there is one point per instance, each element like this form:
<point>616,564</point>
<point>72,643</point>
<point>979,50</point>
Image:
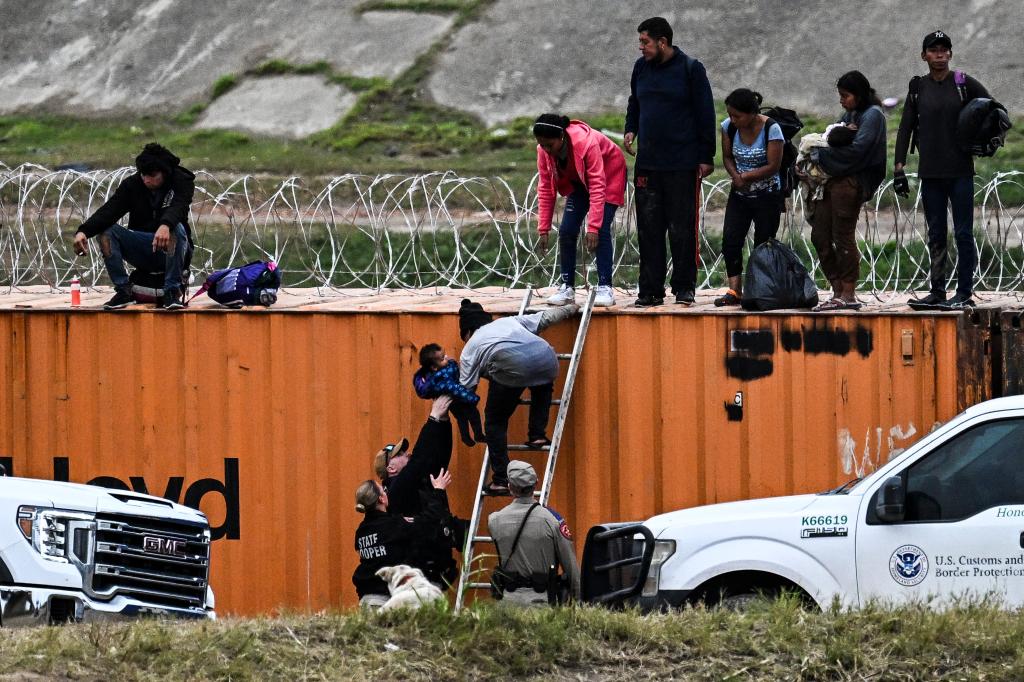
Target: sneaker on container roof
<point>605,297</point>
<point>565,295</point>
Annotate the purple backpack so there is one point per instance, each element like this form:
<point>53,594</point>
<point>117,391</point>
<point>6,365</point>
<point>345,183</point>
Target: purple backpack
<point>253,284</point>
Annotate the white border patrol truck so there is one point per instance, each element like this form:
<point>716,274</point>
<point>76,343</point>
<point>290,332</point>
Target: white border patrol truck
<point>941,521</point>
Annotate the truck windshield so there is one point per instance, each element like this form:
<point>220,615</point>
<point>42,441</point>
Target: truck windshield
<point>843,489</point>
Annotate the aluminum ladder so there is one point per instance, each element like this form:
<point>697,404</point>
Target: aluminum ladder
<point>472,538</point>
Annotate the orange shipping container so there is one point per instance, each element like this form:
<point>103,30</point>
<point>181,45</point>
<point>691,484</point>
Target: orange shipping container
<point>267,420</point>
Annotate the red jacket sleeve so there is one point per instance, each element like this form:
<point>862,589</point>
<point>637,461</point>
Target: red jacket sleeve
<point>593,177</point>
<point>545,192</point>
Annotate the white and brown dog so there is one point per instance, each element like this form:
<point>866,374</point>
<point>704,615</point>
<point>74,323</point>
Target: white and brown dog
<point>408,586</point>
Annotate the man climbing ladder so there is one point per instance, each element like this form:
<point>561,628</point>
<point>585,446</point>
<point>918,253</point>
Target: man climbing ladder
<point>551,450</point>
<point>512,356</point>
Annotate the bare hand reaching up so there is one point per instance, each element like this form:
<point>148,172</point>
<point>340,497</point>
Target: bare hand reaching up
<point>442,480</point>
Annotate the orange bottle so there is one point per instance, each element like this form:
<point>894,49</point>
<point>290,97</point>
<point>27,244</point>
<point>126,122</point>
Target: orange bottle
<point>76,292</point>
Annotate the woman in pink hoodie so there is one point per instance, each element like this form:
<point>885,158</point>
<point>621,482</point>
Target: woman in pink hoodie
<point>582,164</point>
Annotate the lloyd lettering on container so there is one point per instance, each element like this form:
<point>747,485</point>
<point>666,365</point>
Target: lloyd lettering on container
<point>174,490</point>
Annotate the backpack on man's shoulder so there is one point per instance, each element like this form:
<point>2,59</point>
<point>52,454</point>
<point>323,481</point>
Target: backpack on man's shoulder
<point>790,124</point>
<point>255,283</point>
<point>983,122</point>
<point>982,126</point>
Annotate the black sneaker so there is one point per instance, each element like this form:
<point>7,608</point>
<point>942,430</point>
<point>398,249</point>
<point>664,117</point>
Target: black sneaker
<point>685,297</point>
<point>121,298</point>
<point>930,299</point>
<point>960,301</point>
<point>170,301</point>
<point>495,489</point>
<point>649,301</point>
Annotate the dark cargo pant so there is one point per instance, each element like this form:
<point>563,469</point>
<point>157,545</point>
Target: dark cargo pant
<point>666,202</point>
<point>834,231</point>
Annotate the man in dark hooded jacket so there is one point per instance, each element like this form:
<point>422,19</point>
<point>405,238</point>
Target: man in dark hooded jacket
<point>158,238</point>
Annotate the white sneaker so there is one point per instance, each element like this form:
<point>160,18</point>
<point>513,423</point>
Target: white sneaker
<point>565,295</point>
<point>604,297</point>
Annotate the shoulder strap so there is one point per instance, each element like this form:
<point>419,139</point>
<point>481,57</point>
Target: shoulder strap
<point>515,543</point>
<point>960,80</point>
<point>768,128</point>
<point>913,94</point>
<point>731,130</point>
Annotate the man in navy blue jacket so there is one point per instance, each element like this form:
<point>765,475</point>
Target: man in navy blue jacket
<point>671,117</point>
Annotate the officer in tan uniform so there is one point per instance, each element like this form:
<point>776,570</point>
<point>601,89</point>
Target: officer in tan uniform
<point>545,542</point>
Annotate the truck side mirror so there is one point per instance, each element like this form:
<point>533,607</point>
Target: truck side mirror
<point>892,498</point>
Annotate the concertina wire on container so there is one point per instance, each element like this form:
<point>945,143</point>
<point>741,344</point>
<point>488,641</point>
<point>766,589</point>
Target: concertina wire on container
<point>443,230</point>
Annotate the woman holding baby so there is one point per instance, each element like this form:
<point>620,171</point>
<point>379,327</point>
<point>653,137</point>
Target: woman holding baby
<point>854,173</point>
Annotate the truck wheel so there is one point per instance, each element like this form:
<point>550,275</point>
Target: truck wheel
<point>741,602</point>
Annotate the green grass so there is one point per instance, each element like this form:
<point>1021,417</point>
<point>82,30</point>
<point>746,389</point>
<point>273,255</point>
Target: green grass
<point>188,117</point>
<point>774,641</point>
<point>223,85</point>
<point>278,67</point>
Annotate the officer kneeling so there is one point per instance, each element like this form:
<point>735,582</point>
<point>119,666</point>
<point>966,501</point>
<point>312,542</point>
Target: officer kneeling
<point>533,541</point>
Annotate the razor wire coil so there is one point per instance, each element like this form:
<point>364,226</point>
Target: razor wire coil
<point>441,229</point>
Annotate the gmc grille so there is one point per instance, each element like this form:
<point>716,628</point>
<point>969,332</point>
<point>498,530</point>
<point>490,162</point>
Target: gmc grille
<point>126,564</point>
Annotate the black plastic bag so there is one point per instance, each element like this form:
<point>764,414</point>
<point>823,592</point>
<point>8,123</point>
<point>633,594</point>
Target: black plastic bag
<point>776,279</point>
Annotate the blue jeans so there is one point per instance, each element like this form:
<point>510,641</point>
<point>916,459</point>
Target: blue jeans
<point>576,208</point>
<point>137,248</point>
<point>959,194</point>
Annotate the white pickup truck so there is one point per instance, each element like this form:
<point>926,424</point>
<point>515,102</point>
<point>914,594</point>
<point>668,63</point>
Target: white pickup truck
<point>942,520</point>
<point>71,552</point>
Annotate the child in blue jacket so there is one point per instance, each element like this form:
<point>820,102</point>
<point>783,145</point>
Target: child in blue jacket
<point>439,375</point>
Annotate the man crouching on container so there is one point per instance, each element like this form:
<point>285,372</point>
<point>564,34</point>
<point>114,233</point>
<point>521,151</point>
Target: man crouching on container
<point>532,541</point>
<point>157,239</point>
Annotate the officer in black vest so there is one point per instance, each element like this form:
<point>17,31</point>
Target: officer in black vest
<point>385,539</point>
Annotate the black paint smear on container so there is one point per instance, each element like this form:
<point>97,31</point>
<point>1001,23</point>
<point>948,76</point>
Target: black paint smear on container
<point>749,369</point>
<point>791,341</point>
<point>754,341</point>
<point>838,342</point>
<point>865,341</point>
<point>830,341</point>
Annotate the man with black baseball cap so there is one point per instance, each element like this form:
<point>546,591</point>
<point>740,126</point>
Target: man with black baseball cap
<point>406,474</point>
<point>946,171</point>
<point>406,478</point>
<point>937,38</point>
